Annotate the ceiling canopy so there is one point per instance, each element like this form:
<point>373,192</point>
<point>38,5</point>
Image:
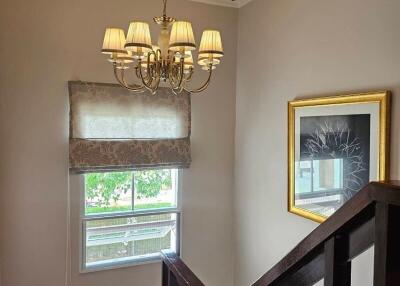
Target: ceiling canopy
<point>227,3</point>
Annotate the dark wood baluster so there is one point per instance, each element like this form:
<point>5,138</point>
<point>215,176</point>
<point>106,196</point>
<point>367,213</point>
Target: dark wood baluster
<point>172,280</point>
<point>387,245</point>
<point>337,268</point>
<point>164,274</point>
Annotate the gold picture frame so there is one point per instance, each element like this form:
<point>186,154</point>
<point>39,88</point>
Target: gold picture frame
<point>382,98</point>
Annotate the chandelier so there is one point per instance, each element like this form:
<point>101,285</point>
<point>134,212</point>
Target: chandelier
<point>170,61</point>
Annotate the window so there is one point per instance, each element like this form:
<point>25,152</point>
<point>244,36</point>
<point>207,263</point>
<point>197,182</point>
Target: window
<point>320,185</point>
<point>129,217</point>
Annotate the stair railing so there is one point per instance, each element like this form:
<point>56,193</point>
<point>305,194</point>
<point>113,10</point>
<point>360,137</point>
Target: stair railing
<point>371,217</point>
<point>176,273</point>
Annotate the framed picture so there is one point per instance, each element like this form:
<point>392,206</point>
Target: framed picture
<point>337,145</point>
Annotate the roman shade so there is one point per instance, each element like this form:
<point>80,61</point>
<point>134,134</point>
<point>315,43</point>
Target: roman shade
<point>112,128</point>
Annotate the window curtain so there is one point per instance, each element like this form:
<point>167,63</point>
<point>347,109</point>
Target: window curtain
<point>112,128</point>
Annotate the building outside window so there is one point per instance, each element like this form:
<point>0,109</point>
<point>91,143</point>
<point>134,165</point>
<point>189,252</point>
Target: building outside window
<point>128,217</point>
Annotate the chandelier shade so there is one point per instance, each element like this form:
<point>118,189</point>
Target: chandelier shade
<point>123,59</point>
<point>114,41</point>
<point>188,61</point>
<point>211,43</point>
<point>138,39</point>
<point>182,37</point>
<point>207,59</point>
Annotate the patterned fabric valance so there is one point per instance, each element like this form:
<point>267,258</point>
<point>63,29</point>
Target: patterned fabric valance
<point>112,128</point>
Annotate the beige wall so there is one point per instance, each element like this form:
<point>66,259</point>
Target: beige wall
<point>43,45</point>
<point>299,48</point>
<point>303,48</point>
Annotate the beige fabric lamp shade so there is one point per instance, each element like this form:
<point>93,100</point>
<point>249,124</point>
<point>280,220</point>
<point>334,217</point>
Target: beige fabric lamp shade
<point>182,37</point>
<point>124,58</point>
<point>114,41</point>
<point>206,59</point>
<point>188,60</point>
<point>211,43</point>
<point>121,59</point>
<point>206,68</point>
<point>138,39</point>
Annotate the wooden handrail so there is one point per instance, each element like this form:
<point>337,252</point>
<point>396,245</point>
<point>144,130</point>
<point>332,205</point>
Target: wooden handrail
<point>175,272</point>
<point>372,216</point>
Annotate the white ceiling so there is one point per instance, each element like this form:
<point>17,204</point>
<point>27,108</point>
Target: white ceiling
<point>227,3</point>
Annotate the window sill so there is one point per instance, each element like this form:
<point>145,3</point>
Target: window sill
<point>123,263</point>
<point>126,214</point>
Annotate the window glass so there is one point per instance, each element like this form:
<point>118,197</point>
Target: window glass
<point>111,241</point>
<point>108,192</point>
<point>154,189</point>
<point>129,217</point>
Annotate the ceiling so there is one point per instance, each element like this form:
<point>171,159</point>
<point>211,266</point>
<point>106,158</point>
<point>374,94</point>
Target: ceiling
<point>227,3</point>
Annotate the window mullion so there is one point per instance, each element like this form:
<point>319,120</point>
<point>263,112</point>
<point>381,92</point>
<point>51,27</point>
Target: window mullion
<point>133,191</point>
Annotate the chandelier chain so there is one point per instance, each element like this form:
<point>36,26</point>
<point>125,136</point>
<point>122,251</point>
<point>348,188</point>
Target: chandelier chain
<point>165,8</point>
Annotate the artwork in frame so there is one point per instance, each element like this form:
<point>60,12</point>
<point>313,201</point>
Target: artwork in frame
<point>337,145</point>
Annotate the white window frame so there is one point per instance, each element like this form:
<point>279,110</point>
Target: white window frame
<point>83,218</point>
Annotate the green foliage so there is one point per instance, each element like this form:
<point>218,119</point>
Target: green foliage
<point>150,182</point>
<point>94,210</point>
<point>103,188</point>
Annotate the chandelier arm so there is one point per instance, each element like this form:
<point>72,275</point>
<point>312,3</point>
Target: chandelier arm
<point>158,53</point>
<point>171,77</point>
<point>152,70</point>
<point>149,57</point>
<point>185,81</point>
<point>156,85</point>
<point>205,85</point>
<point>137,72</point>
<point>148,72</point>
<point>155,73</point>
<point>174,80</point>
<point>171,81</point>
<point>173,74</point>
<point>146,84</point>
<point>181,75</point>
<point>160,63</point>
<point>126,84</point>
<point>189,76</point>
<point>157,67</point>
<point>170,63</point>
<point>180,90</point>
<point>122,82</point>
<point>182,72</point>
